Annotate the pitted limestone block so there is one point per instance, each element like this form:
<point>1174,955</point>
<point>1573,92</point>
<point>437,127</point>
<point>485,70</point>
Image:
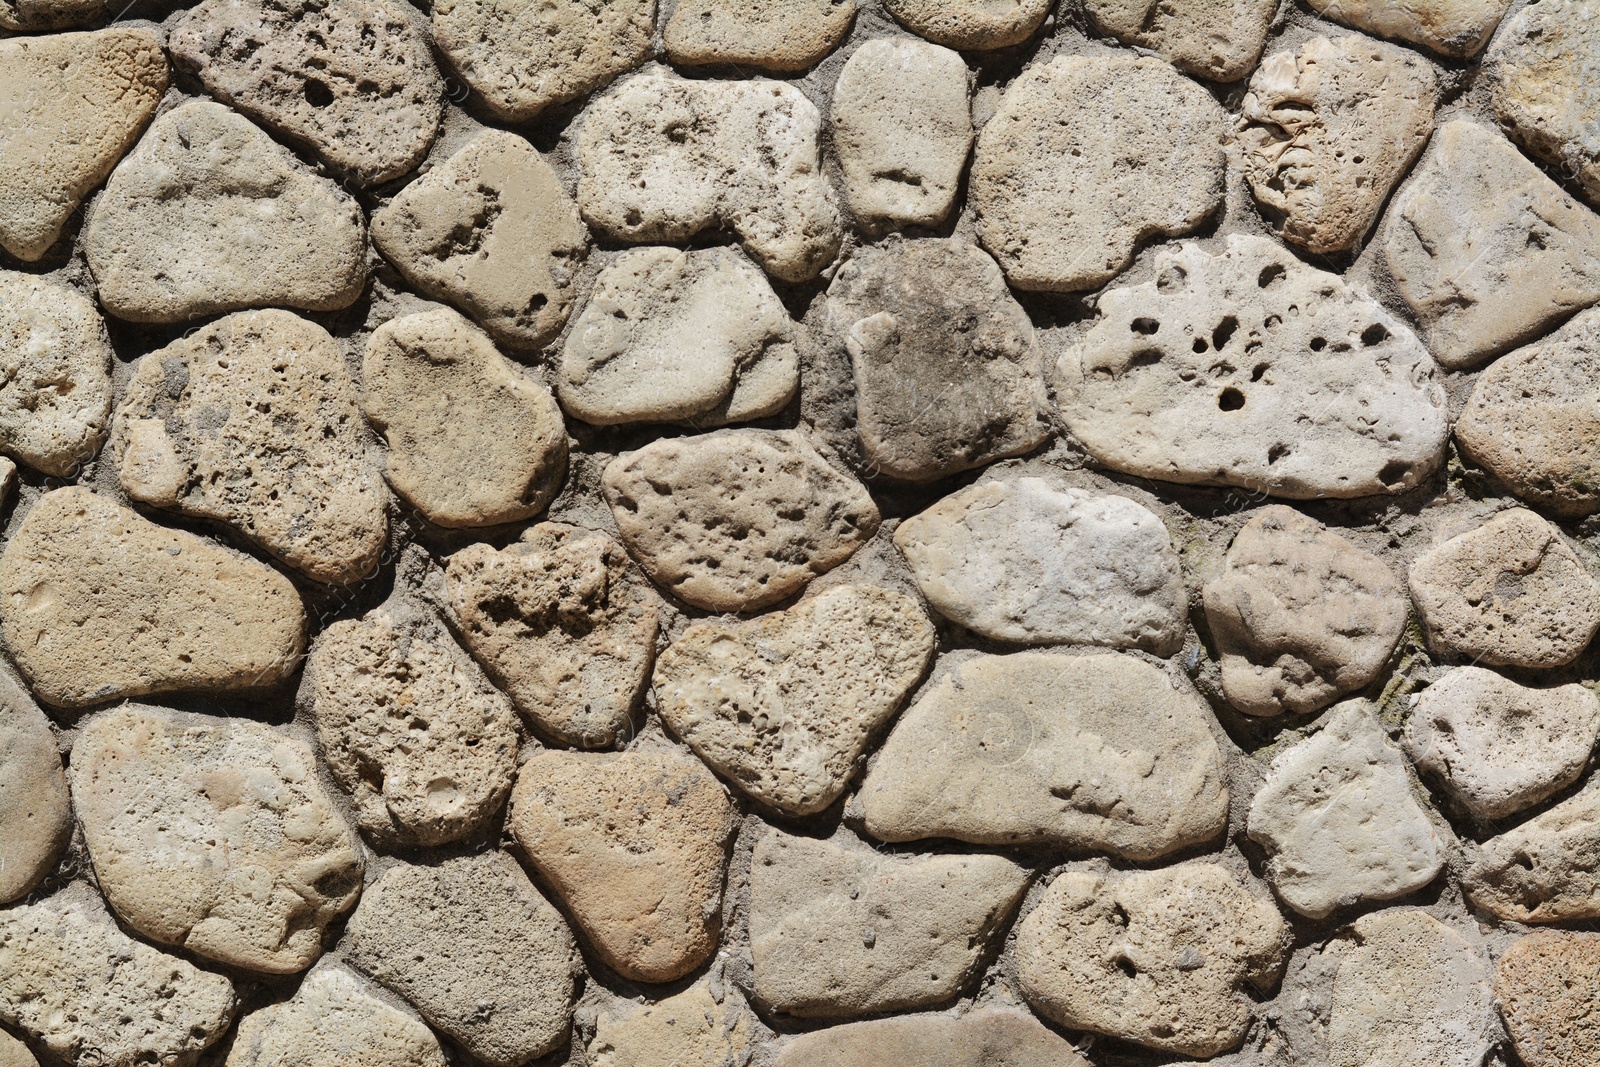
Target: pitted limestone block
<point>1216,39</point>
<point>55,374</point>
<point>793,35</point>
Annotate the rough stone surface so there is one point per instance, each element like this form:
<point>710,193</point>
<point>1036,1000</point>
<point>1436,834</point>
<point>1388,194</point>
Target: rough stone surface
<point>492,231</point>
<point>35,810</point>
<point>1455,28</point>
<point>971,25</point>
<point>208,215</point>
<point>987,1037</point>
<point>839,931</point>
<point>1216,39</point>
<point>790,36</point>
<point>474,947</point>
<point>332,1021</point>
<point>1545,870</point>
<point>635,845</point>
<point>55,374</point>
<point>948,372</point>
<point>784,706</point>
<point>447,402</point>
<point>34,15</point>
<point>704,1026</point>
<point>1023,560</point>
<point>564,624</point>
<point>664,158</point>
<point>675,336</point>
<point>1086,158</point>
<point>1328,130</point>
<point>736,520</point>
<point>1488,252</point>
<point>1509,593</point>
<point>1339,821</point>
<point>1300,616</point>
<point>192,434</point>
<point>1249,368</point>
<point>1099,752</point>
<point>1546,984</point>
<point>1545,79</point>
<point>1159,958</point>
<point>99,604</point>
<point>14,1053</point>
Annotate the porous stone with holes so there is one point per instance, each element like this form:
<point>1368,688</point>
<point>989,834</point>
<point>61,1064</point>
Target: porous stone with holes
<point>971,25</point>
<point>35,809</point>
<point>1455,28</point>
<point>706,1025</point>
<point>1544,78</point>
<point>1216,39</point>
<point>1546,870</point>
<point>332,1021</point>
<point>55,374</point>
<point>985,1037</point>
<point>790,36</point>
<point>1546,984</point>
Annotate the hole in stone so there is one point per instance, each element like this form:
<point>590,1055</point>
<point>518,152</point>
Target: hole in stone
<point>1375,334</point>
<point>1276,452</point>
<point>1146,327</point>
<point>1275,273</point>
<point>1199,344</point>
<point>1318,344</point>
<point>318,94</point>
<point>1259,371</point>
<point>1224,332</point>
<point>1125,965</point>
<point>1230,399</point>
<point>1394,472</point>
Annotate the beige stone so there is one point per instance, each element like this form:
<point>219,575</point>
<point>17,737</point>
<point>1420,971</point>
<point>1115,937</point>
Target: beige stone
<point>332,1021</point>
<point>986,1037</point>
<point>1508,593</point>
<point>1547,869</point>
<point>1300,616</point>
<point>254,422</point>
<point>1099,752</point>
<point>1545,82</point>
<point>492,231</point>
<point>1216,39</point>
<point>208,215</point>
<point>34,15</point>
<point>971,25</point>
<point>664,158</point>
<point>785,705</point>
<point>1086,158</point>
<point>737,520</point>
<point>790,36</point>
<point>1546,985</point>
<point>704,1026</point>
<point>70,106</point>
<point>1026,561</point>
<point>55,374</point>
<point>1328,129</point>
<point>635,845</point>
<point>1158,958</point>
<point>35,810</point>
<point>447,402</point>
<point>564,623</point>
<point>1455,28</point>
<point>98,604</point>
<point>14,1053</point>
<point>838,930</point>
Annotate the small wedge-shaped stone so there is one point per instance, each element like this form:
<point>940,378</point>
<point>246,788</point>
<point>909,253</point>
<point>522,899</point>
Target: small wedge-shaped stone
<point>1029,562</point>
<point>1300,616</point>
<point>475,948</point>
<point>1250,368</point>
<point>1509,593</point>
<point>790,36</point>
<point>207,215</point>
<point>1487,251</point>
<point>664,158</point>
<point>100,604</point>
<point>737,520</point>
<point>635,845</point>
<point>214,835</point>
<point>55,374</point>
<point>35,810</point>
<point>90,994</point>
<point>333,1021</point>
<point>31,16</point>
<point>1216,39</point>
<point>1329,129</point>
<point>987,1037</point>
<point>1086,158</point>
<point>564,623</point>
<point>492,231</point>
<point>1545,871</point>
<point>1158,958</point>
<point>447,402</point>
<point>70,106</point>
<point>1095,752</point>
<point>784,706</point>
<point>254,421</point>
<point>1339,821</point>
<point>704,1026</point>
<point>838,930</point>
<point>1546,984</point>
<point>1541,74</point>
<point>1455,28</point>
<point>971,25</point>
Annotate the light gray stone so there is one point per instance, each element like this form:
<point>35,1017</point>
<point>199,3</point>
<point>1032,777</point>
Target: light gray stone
<point>1455,28</point>
<point>985,1037</point>
<point>1216,39</point>
<point>1546,870</point>
<point>14,1053</point>
<point>971,25</point>
<point>1544,77</point>
<point>35,809</point>
<point>55,374</point>
<point>790,36</point>
<point>333,1021</point>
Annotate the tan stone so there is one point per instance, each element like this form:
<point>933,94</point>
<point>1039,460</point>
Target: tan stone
<point>1455,28</point>
<point>1547,869</point>
<point>1216,39</point>
<point>55,374</point>
<point>332,1021</point>
<point>99,604</point>
<point>14,1053</point>
<point>790,36</point>
<point>971,25</point>
<point>785,705</point>
<point>1546,984</point>
<point>35,809</point>
<point>703,1026</point>
<point>1542,75</point>
<point>986,1037</point>
<point>33,15</point>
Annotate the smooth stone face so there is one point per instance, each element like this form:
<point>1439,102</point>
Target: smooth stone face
<point>564,623</point>
<point>674,336</point>
<point>411,728</point>
<point>986,1037</point>
<point>1455,28</point>
<point>838,930</point>
<point>476,949</point>
<point>190,435</point>
<point>55,374</point>
<point>88,993</point>
<point>492,231</point>
<point>664,158</point>
<point>1028,562</point>
<point>1546,985</point>
<point>70,106</point>
<point>1249,368</point>
<point>1509,593</point>
<point>1300,616</point>
<point>789,36</point>
<point>1052,204</point>
<point>784,706</point>
<point>636,846</point>
<point>1339,821</point>
<point>695,1028</point>
<point>34,15</point>
<point>948,373</point>
<point>1546,870</point>
<point>1329,129</point>
<point>208,215</point>
<point>1094,752</point>
<point>971,25</point>
<point>763,505</point>
<point>447,402</point>
<point>99,604</point>
<point>214,835</point>
<point>1158,958</point>
<point>1216,39</point>
<point>35,810</point>
<point>1544,77</point>
<point>1487,251</point>
<point>333,1021</point>
<point>1499,747</point>
<point>14,1053</point>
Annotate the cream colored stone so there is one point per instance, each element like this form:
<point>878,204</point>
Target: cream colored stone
<point>704,1026</point>
<point>1546,986</point>
<point>790,36</point>
<point>1546,870</point>
<point>35,809</point>
<point>55,374</point>
<point>1216,39</point>
<point>971,25</point>
<point>1455,28</point>
<point>986,1037</point>
<point>14,1053</point>
<point>332,1021</point>
<point>1544,76</point>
